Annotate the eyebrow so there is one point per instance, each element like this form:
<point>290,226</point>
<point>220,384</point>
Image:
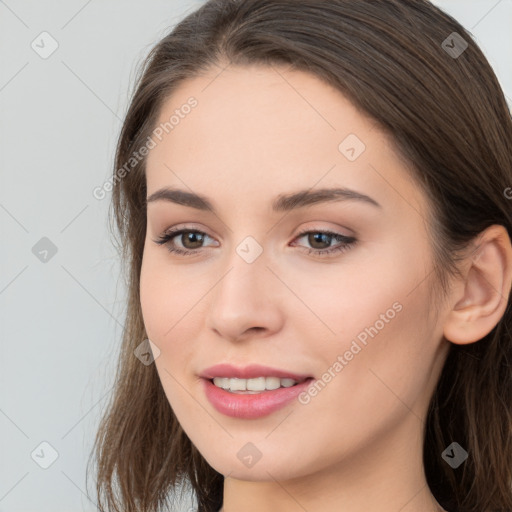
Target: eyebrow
<point>282,203</point>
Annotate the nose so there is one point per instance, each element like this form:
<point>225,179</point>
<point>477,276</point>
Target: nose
<point>246,301</point>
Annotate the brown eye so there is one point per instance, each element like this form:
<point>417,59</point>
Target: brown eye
<point>195,238</point>
<point>319,238</point>
<point>191,240</point>
<point>320,242</point>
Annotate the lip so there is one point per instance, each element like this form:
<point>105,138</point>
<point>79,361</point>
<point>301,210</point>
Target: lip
<point>249,372</point>
<point>251,406</point>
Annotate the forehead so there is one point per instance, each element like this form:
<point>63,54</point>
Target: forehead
<point>255,128</point>
<point>259,108</point>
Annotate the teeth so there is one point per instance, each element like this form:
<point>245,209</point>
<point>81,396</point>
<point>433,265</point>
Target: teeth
<point>254,385</point>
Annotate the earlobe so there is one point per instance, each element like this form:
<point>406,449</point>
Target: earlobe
<point>481,300</point>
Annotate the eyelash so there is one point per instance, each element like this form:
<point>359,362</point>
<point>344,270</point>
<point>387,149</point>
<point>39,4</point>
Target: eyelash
<point>348,242</point>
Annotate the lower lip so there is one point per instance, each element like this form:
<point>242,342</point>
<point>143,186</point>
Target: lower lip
<point>251,406</point>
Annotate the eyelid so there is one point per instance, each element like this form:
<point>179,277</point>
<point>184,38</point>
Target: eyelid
<point>340,230</point>
<point>186,227</point>
<point>345,243</point>
<point>301,232</point>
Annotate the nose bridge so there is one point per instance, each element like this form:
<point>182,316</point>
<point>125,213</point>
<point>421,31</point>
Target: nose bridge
<point>245,275</point>
<point>240,299</point>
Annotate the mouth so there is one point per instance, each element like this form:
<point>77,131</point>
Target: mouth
<point>252,373</point>
<point>255,385</point>
<point>252,391</point>
<point>225,396</point>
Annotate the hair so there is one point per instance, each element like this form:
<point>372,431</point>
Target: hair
<point>448,119</point>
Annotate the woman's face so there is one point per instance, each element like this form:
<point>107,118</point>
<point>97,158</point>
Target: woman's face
<point>255,290</point>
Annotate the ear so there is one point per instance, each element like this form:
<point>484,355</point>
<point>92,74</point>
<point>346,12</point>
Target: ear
<point>480,300</point>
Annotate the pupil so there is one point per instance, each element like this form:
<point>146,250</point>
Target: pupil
<point>190,238</point>
<point>317,236</point>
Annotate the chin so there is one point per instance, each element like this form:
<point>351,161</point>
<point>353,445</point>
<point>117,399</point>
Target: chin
<point>261,471</point>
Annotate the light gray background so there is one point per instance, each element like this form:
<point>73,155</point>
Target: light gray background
<point>60,320</point>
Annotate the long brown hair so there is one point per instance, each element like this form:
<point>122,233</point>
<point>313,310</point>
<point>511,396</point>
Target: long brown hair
<point>399,62</point>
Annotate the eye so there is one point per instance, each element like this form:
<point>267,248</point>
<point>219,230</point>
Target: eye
<point>322,238</point>
<point>192,242</point>
<point>194,237</point>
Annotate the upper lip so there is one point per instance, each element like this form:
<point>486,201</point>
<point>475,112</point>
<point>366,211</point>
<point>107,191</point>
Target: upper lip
<point>249,372</point>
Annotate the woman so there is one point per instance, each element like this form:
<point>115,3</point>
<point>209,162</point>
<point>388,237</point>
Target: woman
<point>313,200</point>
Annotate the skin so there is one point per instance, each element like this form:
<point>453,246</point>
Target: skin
<point>258,132</point>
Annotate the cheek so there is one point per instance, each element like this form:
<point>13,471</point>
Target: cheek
<point>387,356</point>
<point>164,293</point>
<point>378,324</point>
<point>171,305</point>
<point>367,387</point>
<point>339,302</point>
<point>170,312</point>
<point>152,298</point>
